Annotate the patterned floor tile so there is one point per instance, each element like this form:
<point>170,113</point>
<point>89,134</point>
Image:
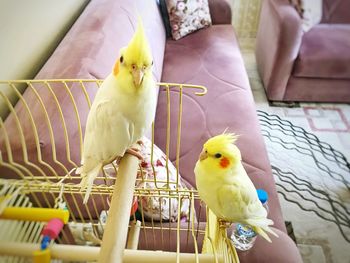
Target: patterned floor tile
<point>330,119</point>
<point>294,112</point>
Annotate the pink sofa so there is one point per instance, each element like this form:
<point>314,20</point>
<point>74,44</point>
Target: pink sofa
<point>298,66</point>
<point>209,57</point>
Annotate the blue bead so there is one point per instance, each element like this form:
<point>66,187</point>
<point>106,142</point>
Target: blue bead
<point>262,195</point>
<point>45,242</point>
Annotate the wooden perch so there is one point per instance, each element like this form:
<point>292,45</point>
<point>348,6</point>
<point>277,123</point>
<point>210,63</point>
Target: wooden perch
<point>87,253</point>
<point>116,230</point>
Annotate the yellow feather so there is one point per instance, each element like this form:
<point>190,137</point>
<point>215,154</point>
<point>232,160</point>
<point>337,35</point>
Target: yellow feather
<point>228,190</point>
<point>216,240</point>
<point>138,51</point>
<point>222,140</point>
<point>118,105</point>
<point>223,144</point>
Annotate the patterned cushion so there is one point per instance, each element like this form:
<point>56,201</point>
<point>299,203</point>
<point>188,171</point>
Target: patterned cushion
<point>160,208</point>
<point>187,16</point>
<point>154,207</point>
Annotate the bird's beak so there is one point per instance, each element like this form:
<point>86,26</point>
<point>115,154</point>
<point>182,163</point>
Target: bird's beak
<point>203,156</point>
<point>137,75</point>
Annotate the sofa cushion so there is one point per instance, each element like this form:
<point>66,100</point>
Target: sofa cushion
<point>325,52</point>
<point>220,11</point>
<point>211,57</point>
<point>336,11</point>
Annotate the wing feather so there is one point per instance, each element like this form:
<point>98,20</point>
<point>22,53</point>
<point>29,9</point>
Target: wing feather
<point>107,127</point>
<point>237,203</point>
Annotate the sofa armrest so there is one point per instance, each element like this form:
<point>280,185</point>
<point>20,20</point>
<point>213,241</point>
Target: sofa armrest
<point>281,249</point>
<point>278,43</point>
<point>220,11</point>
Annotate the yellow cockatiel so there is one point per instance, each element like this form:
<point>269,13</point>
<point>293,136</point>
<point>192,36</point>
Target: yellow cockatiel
<point>123,109</point>
<point>225,187</point>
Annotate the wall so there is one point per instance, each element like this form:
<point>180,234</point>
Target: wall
<point>30,31</point>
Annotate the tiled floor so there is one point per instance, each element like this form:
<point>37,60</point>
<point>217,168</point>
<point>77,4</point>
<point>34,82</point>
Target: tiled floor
<point>319,240</point>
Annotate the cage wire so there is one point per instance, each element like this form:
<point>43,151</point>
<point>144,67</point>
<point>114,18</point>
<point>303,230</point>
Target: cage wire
<point>41,144</point>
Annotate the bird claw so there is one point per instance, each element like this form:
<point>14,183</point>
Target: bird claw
<point>224,224</point>
<point>135,152</point>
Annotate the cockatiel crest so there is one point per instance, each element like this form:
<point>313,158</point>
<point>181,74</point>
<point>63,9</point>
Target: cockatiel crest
<point>220,153</point>
<point>136,58</point>
<point>138,48</point>
<point>225,187</point>
<point>222,141</point>
<point>122,111</point>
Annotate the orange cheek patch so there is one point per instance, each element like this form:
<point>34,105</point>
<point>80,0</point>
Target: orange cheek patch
<point>224,162</point>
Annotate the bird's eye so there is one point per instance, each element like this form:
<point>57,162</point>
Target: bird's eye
<point>144,67</point>
<point>121,59</point>
<point>133,66</point>
<point>218,155</point>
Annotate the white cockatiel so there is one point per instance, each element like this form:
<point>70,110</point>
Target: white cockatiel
<point>225,187</point>
<point>123,110</point>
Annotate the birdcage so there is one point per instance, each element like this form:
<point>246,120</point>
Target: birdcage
<point>137,211</point>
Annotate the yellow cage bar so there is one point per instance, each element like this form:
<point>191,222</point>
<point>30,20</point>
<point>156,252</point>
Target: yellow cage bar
<point>41,143</point>
<point>34,214</point>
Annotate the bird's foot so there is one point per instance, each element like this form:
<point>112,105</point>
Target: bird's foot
<point>135,152</point>
<point>224,224</point>
<point>117,160</point>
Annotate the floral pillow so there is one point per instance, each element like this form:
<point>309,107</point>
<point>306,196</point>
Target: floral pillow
<point>154,207</point>
<point>187,16</point>
<point>160,208</point>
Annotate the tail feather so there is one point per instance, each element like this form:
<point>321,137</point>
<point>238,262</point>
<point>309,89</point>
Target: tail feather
<point>262,233</point>
<point>261,226</point>
<point>226,244</point>
<point>268,229</point>
<point>216,240</point>
<point>88,180</point>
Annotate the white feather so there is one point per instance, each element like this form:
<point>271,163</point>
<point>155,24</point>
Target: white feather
<point>117,119</point>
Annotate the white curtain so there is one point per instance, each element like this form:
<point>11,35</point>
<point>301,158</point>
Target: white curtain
<point>245,17</point>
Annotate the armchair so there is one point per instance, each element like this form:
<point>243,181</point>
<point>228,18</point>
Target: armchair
<point>304,66</point>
